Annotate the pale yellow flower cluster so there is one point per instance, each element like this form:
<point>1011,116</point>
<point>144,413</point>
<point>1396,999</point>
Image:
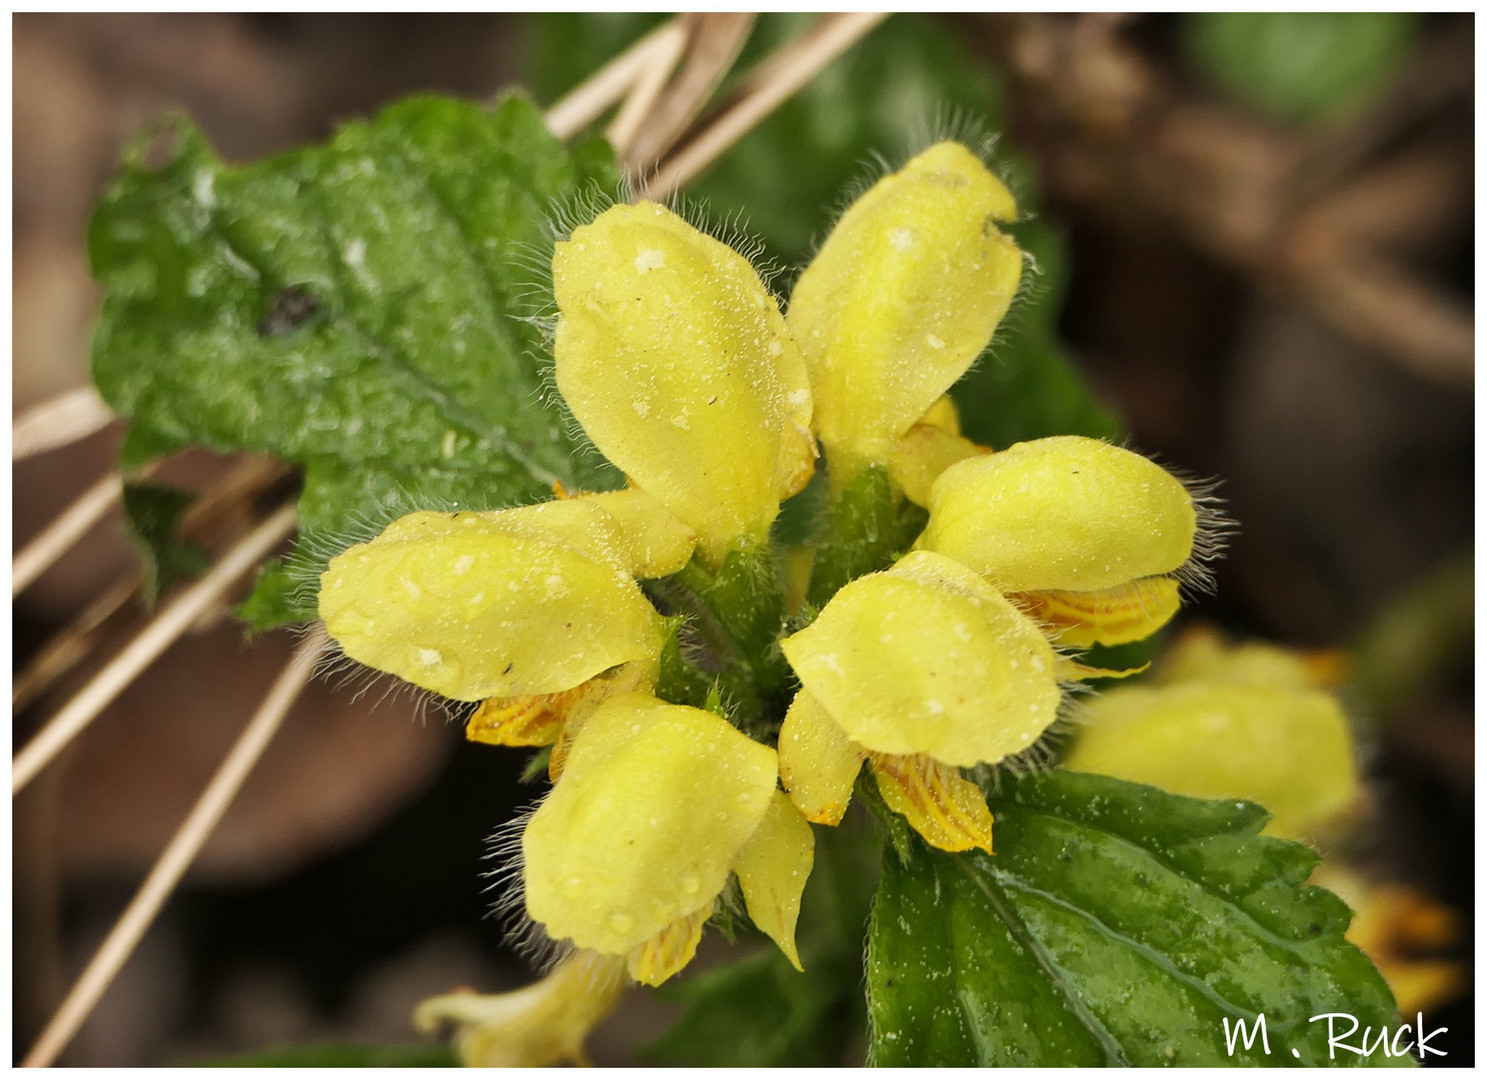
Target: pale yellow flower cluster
<point>680,366</point>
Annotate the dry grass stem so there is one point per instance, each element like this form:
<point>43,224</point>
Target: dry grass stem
<point>647,87</point>
<point>773,81</point>
<point>69,527</point>
<point>64,419</point>
<point>223,512</point>
<point>176,857</point>
<point>174,619</point>
<point>72,645</point>
<point>715,40</point>
<point>584,104</point>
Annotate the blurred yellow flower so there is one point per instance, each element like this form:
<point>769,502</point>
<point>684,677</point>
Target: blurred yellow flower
<point>1254,729</point>
<point>545,1023</point>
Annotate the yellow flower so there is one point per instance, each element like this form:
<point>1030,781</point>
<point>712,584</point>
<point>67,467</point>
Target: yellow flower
<point>542,1024</point>
<point>903,296</point>
<point>917,668</point>
<point>676,361</point>
<point>529,601</point>
<point>1399,927</point>
<point>656,805</point>
<point>1089,538</point>
<point>1255,730</point>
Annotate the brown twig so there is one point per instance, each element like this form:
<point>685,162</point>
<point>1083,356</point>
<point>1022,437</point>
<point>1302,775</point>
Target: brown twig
<point>1115,131</point>
<point>65,530</point>
<point>649,82</point>
<point>222,512</point>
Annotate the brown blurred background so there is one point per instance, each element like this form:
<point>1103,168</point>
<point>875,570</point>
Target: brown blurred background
<point>1286,308</point>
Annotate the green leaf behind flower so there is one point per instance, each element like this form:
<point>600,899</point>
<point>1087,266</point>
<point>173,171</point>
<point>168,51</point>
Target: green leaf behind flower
<point>355,308</point>
<point>1117,924</point>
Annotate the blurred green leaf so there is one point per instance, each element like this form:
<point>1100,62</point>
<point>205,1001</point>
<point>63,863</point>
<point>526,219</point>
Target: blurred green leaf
<point>1299,65</point>
<point>343,1056</point>
<point>352,307</point>
<point>1026,386</point>
<point>152,517</point>
<point>1116,925</point>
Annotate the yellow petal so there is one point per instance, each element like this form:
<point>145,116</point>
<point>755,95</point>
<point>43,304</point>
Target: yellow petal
<point>772,870</point>
<point>1105,616</point>
<point>659,958</point>
<point>944,415</point>
<point>942,806</point>
<point>818,763</point>
<point>655,542</point>
<point>927,658</point>
<point>654,802</point>
<point>1288,750</point>
<point>475,606</point>
<point>922,455</point>
<point>542,1024</point>
<point>902,297</point>
<point>675,360</point>
<point>1065,513</point>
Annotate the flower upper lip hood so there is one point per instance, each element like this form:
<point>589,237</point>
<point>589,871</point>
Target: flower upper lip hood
<point>1065,512</point>
<point>903,296</point>
<point>676,361</point>
<point>498,604</point>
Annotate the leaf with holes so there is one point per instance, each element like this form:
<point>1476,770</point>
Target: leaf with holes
<point>355,308</point>
<point>1116,925</point>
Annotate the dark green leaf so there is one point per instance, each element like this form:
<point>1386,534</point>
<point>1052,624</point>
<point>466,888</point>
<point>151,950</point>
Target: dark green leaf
<point>1026,386</point>
<point>152,515</point>
<point>1297,65</point>
<point>344,1055</point>
<point>355,308</point>
<point>1117,924</point>
<point>759,1011</point>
